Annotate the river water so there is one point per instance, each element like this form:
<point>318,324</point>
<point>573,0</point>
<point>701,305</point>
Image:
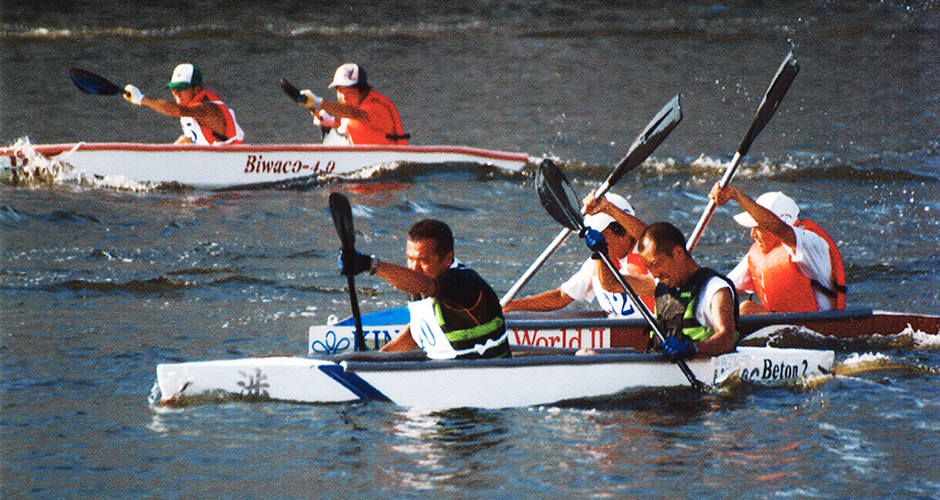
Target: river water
<point>100,284</point>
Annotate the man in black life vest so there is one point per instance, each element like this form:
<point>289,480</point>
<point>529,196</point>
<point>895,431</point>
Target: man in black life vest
<point>696,306</point>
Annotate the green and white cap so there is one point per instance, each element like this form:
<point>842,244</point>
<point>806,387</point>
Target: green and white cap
<point>185,76</point>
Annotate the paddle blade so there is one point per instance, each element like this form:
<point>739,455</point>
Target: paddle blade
<point>291,91</point>
<point>91,83</point>
<point>343,221</point>
<point>557,196</point>
<point>771,101</point>
<point>652,136</point>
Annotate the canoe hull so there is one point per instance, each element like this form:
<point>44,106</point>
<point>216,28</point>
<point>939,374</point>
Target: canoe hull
<point>216,167</point>
<point>593,331</point>
<point>279,378</point>
<point>539,377</point>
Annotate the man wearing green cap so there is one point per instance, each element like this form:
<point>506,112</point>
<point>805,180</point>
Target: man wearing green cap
<point>204,117</point>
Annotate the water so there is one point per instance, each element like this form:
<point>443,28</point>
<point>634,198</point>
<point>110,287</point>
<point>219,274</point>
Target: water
<point>99,285</point>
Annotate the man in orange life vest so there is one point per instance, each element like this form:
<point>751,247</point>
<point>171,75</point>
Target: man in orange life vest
<point>363,115</point>
<point>204,117</point>
<point>793,265</point>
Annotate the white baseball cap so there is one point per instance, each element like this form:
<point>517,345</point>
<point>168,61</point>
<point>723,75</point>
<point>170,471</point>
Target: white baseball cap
<point>348,74</point>
<point>780,204</point>
<point>600,221</point>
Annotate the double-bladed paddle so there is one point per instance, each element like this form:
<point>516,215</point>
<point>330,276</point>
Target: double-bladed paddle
<point>343,221</point>
<point>559,200</point>
<point>91,83</point>
<point>292,91</point>
<point>655,133</point>
<point>768,105</point>
<point>299,98</point>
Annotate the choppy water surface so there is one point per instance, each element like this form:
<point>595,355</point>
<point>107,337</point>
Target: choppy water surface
<point>99,284</point>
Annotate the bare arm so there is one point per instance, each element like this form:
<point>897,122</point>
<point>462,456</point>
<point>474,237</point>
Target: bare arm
<point>336,109</point>
<point>764,217</point>
<point>607,279</point>
<point>634,226</point>
<point>207,114</point>
<point>407,280</point>
<point>341,110</point>
<point>642,285</point>
<point>403,342</point>
<point>722,308</point>
<point>545,301</point>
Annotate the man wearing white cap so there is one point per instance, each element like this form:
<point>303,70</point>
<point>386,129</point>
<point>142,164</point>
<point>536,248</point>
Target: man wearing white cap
<point>367,116</point>
<point>614,218</point>
<point>793,265</point>
<point>204,117</point>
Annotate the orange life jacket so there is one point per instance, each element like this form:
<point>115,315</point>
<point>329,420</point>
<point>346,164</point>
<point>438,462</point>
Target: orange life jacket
<point>779,283</point>
<point>383,125</point>
<point>838,289</point>
<point>782,287</point>
<point>232,130</point>
<point>635,266</point>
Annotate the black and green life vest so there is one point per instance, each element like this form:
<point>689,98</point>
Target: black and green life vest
<point>675,308</point>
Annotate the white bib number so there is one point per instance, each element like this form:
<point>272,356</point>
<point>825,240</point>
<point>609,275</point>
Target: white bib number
<point>427,332</point>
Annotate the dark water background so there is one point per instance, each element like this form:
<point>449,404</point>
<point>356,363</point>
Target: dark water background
<point>99,285</point>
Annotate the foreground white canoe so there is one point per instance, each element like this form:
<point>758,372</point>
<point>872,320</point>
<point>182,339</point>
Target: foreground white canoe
<point>593,330</point>
<point>530,378</point>
<point>219,167</point>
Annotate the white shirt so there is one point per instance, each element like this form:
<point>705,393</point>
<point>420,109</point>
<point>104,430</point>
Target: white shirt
<point>584,285</point>
<point>703,306</point>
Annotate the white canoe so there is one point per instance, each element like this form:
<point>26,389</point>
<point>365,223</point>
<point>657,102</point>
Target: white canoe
<point>220,167</point>
<point>537,377</point>
<point>592,330</point>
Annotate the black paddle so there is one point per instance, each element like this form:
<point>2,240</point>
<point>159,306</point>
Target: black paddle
<point>655,133</point>
<point>299,98</point>
<point>559,200</point>
<point>768,105</point>
<point>342,219</point>
<point>91,83</point>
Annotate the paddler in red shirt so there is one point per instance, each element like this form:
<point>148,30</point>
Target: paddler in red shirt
<point>204,117</point>
<point>362,114</point>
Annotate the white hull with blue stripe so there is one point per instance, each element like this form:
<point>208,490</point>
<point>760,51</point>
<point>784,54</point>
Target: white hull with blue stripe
<point>533,377</point>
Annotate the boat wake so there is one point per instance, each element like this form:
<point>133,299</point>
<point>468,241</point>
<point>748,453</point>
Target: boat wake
<point>792,336</point>
<point>859,363</point>
<point>33,169</point>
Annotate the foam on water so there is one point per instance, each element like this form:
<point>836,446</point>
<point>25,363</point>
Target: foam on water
<point>40,170</point>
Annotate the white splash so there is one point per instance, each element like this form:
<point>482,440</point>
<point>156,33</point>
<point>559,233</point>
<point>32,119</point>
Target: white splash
<point>39,169</point>
<point>921,339</point>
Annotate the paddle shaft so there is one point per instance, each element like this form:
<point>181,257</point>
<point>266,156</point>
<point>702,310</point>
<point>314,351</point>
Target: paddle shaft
<point>557,196</point>
<point>648,316</point>
<point>712,205</point>
<point>549,250</point>
<point>765,111</point>
<point>654,133</point>
<point>297,97</point>
<point>357,316</point>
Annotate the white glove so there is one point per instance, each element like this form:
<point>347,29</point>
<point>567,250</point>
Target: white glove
<point>311,97</point>
<point>324,119</point>
<point>133,95</point>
